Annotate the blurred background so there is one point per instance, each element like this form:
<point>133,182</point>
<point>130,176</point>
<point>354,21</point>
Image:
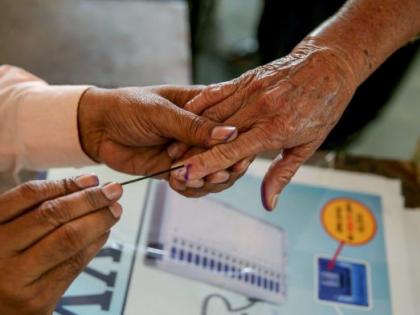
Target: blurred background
<point>132,42</point>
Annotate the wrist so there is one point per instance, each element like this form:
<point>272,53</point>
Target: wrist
<point>91,122</point>
<point>346,56</point>
<point>333,56</point>
<point>367,32</point>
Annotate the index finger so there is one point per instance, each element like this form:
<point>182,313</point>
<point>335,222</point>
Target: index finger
<point>222,156</point>
<point>213,94</point>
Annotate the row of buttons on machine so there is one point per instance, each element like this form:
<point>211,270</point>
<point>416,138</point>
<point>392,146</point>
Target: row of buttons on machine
<point>218,266</point>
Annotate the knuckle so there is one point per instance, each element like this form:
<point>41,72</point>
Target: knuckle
<point>214,114</point>
<point>68,185</point>
<point>31,189</point>
<point>53,212</point>
<point>224,154</point>
<point>94,198</point>
<point>268,104</point>
<point>195,125</point>
<point>284,177</point>
<point>70,239</point>
<point>75,264</point>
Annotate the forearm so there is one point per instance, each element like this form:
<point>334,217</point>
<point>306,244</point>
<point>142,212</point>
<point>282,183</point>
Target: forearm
<point>367,32</point>
<point>38,123</point>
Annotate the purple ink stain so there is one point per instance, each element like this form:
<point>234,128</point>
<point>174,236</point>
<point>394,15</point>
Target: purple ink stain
<point>187,171</point>
<point>229,135</point>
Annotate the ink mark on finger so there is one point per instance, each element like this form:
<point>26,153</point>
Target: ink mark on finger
<point>187,172</point>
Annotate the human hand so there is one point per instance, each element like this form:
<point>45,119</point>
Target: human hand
<point>49,231</point>
<point>212,183</point>
<point>129,129</point>
<point>290,104</point>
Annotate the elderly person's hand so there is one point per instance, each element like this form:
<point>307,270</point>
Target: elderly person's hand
<point>49,231</point>
<point>289,104</point>
<point>293,103</point>
<point>129,129</point>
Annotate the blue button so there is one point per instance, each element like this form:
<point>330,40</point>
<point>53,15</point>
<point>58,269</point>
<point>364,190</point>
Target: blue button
<point>197,259</point>
<point>265,283</point>
<point>346,283</point>
<point>226,268</point>
<point>239,274</point>
<point>173,252</point>
<point>181,254</point>
<point>233,274</point>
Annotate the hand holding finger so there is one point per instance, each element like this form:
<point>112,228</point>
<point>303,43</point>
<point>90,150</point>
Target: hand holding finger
<point>220,157</point>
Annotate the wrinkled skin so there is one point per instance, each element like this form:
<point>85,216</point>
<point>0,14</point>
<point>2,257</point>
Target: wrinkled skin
<point>129,129</point>
<point>290,104</point>
<point>49,232</point>
<point>213,183</point>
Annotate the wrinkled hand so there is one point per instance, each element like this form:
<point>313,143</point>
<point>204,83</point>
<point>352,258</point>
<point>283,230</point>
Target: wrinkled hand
<point>49,231</point>
<point>211,183</point>
<point>129,129</point>
<point>290,104</point>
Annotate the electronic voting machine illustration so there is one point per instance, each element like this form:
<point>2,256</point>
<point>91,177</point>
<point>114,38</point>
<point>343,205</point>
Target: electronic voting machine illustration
<point>324,251</point>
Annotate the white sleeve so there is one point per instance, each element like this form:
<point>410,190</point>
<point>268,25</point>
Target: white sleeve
<point>38,123</point>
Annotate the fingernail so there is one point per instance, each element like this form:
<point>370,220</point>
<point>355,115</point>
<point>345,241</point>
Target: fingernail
<point>273,202</point>
<point>116,210</point>
<point>182,173</point>
<point>219,177</point>
<point>223,133</point>
<point>264,197</point>
<point>196,183</point>
<point>112,191</point>
<point>187,172</point>
<point>173,151</point>
<point>88,180</point>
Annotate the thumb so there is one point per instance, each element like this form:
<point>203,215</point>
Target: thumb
<point>281,172</point>
<point>191,129</point>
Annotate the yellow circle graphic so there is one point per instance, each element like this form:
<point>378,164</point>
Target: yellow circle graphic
<point>348,221</point>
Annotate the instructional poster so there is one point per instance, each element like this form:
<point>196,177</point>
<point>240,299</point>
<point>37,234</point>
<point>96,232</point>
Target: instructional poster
<point>321,252</point>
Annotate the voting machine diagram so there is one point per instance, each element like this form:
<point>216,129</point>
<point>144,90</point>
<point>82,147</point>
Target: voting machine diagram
<point>210,241</point>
